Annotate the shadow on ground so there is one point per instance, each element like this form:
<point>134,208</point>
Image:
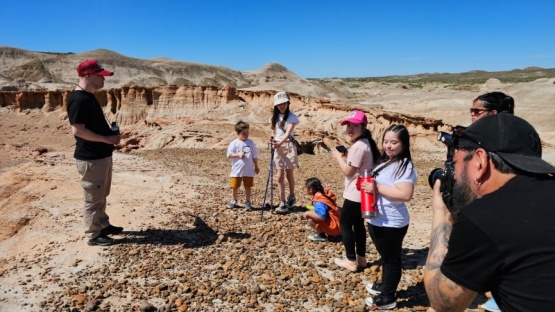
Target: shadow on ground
<point>200,236</point>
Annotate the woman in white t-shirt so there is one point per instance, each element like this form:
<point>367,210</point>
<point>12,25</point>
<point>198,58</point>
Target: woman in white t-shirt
<point>395,177</point>
<point>283,122</point>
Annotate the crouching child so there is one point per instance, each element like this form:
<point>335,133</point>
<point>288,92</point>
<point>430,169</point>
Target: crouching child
<point>324,218</point>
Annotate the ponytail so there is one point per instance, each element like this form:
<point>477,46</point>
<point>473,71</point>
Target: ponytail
<point>373,146</point>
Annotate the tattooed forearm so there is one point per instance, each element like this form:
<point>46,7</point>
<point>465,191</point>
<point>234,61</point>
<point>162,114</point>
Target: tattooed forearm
<point>444,294</point>
<point>438,245</point>
<point>438,298</point>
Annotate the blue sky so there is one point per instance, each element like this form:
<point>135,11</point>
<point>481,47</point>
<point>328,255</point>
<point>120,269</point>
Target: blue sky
<point>314,39</point>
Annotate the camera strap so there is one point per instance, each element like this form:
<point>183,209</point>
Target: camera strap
<point>376,171</point>
<point>290,137</point>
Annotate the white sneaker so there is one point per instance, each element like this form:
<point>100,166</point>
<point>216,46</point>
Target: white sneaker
<point>282,208</point>
<point>381,302</point>
<point>232,204</point>
<point>248,206</point>
<point>372,288</point>
<point>318,237</point>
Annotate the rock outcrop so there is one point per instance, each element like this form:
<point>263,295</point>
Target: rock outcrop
<point>179,108</point>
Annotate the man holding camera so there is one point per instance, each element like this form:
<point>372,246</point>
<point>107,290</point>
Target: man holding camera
<point>93,151</point>
<point>504,229</point>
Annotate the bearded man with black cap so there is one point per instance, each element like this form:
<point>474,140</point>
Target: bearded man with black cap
<point>505,228</point>
<point>93,151</point>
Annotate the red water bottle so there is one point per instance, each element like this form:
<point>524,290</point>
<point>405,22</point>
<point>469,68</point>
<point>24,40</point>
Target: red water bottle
<point>366,199</point>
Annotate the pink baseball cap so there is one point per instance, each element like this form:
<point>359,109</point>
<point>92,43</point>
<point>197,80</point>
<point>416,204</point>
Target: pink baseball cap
<point>92,67</point>
<point>356,117</point>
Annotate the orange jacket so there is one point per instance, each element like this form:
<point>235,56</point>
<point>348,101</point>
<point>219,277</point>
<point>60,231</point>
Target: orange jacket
<point>331,225</point>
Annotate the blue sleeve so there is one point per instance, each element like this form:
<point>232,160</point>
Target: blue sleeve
<point>321,209</point>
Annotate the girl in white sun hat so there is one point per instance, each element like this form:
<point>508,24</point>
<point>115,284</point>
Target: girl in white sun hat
<point>283,122</point>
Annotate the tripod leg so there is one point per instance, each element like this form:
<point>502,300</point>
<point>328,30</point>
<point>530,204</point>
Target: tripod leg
<point>266,192</point>
<point>272,182</point>
<point>268,183</point>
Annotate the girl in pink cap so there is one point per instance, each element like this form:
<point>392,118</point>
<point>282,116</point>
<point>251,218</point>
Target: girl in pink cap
<point>353,162</point>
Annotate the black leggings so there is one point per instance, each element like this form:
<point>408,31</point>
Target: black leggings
<point>389,243</point>
<point>352,230</point>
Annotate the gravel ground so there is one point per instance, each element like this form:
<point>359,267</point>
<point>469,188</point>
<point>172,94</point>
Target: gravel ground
<point>211,258</point>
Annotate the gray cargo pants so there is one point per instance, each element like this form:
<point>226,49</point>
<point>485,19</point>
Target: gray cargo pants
<point>96,179</point>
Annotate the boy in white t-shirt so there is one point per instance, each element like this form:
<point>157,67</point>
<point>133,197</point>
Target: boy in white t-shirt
<point>244,164</point>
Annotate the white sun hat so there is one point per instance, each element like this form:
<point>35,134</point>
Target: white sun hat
<point>280,97</point>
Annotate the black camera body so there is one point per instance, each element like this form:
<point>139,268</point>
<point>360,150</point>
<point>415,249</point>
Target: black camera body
<point>447,174</point>
<point>447,177</point>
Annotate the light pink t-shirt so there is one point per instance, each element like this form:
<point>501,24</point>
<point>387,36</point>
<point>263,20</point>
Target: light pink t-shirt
<point>359,156</point>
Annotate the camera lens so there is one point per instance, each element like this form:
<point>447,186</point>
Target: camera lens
<point>437,173</point>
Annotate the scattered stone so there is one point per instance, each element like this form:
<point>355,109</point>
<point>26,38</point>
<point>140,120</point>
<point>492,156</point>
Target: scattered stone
<point>228,259</point>
<point>182,308</point>
<point>147,307</point>
<point>78,299</point>
<point>92,305</point>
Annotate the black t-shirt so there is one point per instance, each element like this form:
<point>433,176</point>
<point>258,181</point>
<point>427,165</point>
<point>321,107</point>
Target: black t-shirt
<point>504,242</point>
<point>83,108</point>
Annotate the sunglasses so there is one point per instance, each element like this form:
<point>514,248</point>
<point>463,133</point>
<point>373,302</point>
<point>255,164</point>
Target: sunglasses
<point>478,111</point>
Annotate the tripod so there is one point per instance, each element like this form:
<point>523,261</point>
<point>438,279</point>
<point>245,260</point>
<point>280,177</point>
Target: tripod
<point>270,178</point>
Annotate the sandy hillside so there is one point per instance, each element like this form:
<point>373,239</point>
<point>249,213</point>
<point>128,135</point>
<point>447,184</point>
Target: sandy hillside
<point>182,249</point>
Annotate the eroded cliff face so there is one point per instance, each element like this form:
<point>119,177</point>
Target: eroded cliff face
<point>171,116</point>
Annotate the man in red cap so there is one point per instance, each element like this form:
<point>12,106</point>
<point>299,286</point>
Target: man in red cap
<point>93,151</point>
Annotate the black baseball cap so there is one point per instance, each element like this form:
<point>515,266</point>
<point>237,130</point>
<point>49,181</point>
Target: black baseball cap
<point>510,137</point>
